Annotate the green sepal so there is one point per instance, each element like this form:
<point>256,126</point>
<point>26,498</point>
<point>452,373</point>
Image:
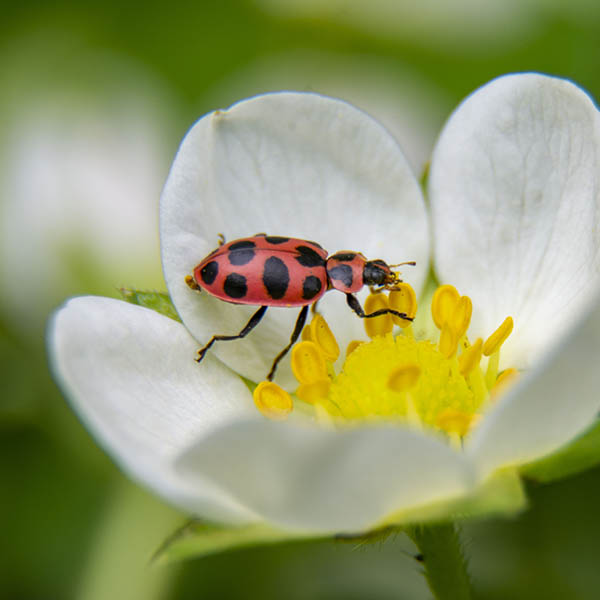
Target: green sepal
<point>580,454</point>
<point>198,538</point>
<point>500,494</point>
<point>424,179</point>
<point>158,301</point>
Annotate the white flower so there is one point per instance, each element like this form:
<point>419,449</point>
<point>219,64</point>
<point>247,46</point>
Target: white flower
<point>515,201</point>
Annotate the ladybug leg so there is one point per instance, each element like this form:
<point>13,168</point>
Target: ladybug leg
<point>221,239</point>
<point>192,284</point>
<point>354,304</point>
<point>250,325</point>
<point>295,335</point>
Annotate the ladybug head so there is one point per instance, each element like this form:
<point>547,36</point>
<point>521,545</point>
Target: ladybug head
<point>377,272</point>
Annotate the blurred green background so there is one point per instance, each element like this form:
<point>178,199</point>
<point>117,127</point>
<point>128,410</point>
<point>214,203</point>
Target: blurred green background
<point>94,100</point>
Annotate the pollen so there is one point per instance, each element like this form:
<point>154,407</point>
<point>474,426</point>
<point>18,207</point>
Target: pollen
<point>441,385</point>
<point>401,379</point>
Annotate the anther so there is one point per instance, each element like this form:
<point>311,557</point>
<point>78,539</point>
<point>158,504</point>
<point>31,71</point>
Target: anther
<point>272,401</point>
<point>352,346</point>
<point>322,336</point>
<point>461,316</point>
<point>443,304</point>
<point>456,422</point>
<point>306,334</point>
<point>403,299</point>
<point>308,363</point>
<point>377,325</point>
<point>314,393</point>
<point>504,381</point>
<point>493,343</point>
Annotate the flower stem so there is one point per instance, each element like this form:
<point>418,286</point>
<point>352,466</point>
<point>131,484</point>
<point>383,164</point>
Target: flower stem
<point>445,567</point>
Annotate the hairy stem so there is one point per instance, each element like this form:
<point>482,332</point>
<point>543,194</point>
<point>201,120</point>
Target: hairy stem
<point>445,567</point>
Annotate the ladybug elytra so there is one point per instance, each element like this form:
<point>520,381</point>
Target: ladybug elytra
<point>265,270</point>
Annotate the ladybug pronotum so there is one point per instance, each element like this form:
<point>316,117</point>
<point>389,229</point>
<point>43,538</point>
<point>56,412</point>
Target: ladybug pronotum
<point>265,270</point>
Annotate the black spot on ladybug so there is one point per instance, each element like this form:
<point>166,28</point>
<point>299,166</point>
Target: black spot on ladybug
<point>242,245</point>
<point>235,285</point>
<point>241,256</point>
<point>341,273</point>
<point>275,239</point>
<point>209,272</point>
<point>276,277</point>
<point>309,257</point>
<point>315,244</point>
<point>345,256</point>
<point>311,286</point>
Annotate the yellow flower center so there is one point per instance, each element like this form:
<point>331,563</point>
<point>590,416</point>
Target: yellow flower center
<point>442,385</point>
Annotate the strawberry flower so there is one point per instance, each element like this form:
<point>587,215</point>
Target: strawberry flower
<point>512,220</point>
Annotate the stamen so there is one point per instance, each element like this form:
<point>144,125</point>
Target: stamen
<point>352,346</point>
<point>308,363</point>
<point>443,304</point>
<point>403,299</point>
<point>448,341</point>
<point>503,382</point>
<point>272,401</point>
<point>470,357</point>
<point>306,334</point>
<point>461,316</point>
<point>493,343</point>
<point>314,393</point>
<point>322,336</point>
<point>377,325</point>
<point>456,421</point>
<point>400,378</point>
<point>491,348</point>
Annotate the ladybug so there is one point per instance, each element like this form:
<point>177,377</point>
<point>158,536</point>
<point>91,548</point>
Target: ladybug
<point>266,270</point>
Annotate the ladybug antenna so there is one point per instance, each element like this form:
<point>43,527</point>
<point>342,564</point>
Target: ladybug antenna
<point>411,263</point>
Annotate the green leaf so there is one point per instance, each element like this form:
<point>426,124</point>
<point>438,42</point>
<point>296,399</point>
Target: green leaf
<point>198,538</point>
<point>158,301</point>
<point>580,454</point>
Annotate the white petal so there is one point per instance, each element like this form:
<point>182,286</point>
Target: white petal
<point>410,107</point>
<point>515,197</point>
<point>130,375</point>
<point>327,481</point>
<point>290,164</point>
<point>554,402</point>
